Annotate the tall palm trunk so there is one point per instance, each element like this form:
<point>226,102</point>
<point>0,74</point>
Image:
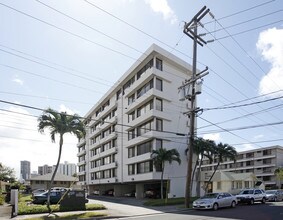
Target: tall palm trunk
<point>198,177</point>
<point>212,176</point>
<point>161,184</point>
<point>54,173</point>
<point>193,174</point>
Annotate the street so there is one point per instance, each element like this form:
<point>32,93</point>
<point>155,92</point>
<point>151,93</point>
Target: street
<point>268,211</point>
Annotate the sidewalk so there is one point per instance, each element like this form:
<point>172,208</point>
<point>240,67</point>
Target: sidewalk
<point>5,211</point>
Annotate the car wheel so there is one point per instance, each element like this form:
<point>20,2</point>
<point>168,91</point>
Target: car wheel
<point>252,202</point>
<point>275,199</point>
<point>215,206</point>
<point>233,204</point>
<point>263,200</point>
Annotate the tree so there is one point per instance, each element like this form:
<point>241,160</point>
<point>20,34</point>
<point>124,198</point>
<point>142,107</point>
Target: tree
<point>7,174</point>
<point>202,148</point>
<point>160,157</point>
<point>222,151</point>
<point>59,124</point>
<point>279,174</point>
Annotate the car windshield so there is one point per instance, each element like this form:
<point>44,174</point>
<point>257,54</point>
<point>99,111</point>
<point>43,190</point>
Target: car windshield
<point>244,192</point>
<point>270,191</point>
<point>210,196</point>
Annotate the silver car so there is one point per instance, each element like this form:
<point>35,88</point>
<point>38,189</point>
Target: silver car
<point>215,201</point>
<point>274,195</point>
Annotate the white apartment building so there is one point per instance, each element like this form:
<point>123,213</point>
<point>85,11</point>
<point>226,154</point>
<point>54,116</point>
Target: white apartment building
<point>262,162</point>
<point>140,113</point>
<point>68,169</point>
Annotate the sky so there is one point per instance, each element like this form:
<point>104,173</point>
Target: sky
<point>67,54</point>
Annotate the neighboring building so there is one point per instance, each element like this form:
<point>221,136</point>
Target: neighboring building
<point>45,169</point>
<point>66,168</point>
<point>43,181</point>
<point>231,182</point>
<point>262,162</point>
<point>140,113</point>
<point>25,170</point>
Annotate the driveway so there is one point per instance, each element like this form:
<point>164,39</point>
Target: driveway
<point>123,206</point>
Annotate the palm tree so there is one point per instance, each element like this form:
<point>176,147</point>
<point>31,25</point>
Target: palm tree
<point>279,175</point>
<point>160,157</point>
<point>202,148</point>
<point>222,151</point>
<point>59,124</point>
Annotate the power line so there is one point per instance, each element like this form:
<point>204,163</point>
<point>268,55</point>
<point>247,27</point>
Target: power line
<point>240,128</point>
<point>66,31</point>
<point>247,115</point>
<point>243,105</point>
<point>246,21</point>
<point>40,109</point>
<point>248,30</point>
<point>256,142</point>
<point>244,10</point>
<point>225,130</point>
<point>48,78</point>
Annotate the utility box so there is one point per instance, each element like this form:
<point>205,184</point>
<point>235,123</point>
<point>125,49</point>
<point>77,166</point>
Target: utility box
<point>73,200</point>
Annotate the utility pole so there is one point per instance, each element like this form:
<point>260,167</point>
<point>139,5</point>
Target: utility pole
<point>190,92</point>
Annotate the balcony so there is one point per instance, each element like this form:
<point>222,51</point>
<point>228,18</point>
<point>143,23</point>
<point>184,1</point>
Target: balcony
<point>82,152</point>
<point>81,163</point>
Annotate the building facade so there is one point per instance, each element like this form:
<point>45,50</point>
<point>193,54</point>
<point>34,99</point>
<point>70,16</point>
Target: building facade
<point>68,169</point>
<point>142,112</point>
<point>25,170</point>
<point>45,169</point>
<point>262,162</point>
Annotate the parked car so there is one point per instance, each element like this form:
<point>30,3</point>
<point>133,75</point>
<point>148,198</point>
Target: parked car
<point>55,197</point>
<point>37,191</point>
<point>274,195</point>
<point>250,196</point>
<point>109,192</point>
<point>130,194</point>
<point>215,201</point>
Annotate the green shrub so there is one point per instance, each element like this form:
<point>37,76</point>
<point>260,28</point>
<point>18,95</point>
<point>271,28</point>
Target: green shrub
<point>2,199</point>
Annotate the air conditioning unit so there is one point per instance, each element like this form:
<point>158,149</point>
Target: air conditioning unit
<point>116,180</point>
<point>116,163</point>
<point>182,94</point>
<point>116,149</point>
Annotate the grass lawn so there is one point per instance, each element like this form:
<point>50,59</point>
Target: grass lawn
<point>26,207</point>
<point>85,215</point>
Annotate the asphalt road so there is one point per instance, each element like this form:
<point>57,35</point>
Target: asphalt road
<point>268,211</point>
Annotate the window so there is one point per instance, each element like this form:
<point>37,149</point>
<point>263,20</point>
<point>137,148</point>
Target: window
<point>131,99</point>
<point>218,185</point>
<point>114,172</point>
<point>131,169</point>
<point>131,116</point>
<point>159,64</point>
<point>159,125</point>
<point>92,176</point>
<point>144,148</point>
<point>97,150</point>
<point>131,134</point>
<point>114,112</point>
<point>158,144</point>
<point>144,108</point>
<point>106,160</point>
<point>144,167</point>
<point>145,88</point>
<point>158,85</point>
<point>106,174</point>
<point>129,83</point>
<point>97,163</point>
<point>158,104</point>
<point>247,184</point>
<point>144,128</point>
<point>131,152</point>
<point>114,142</point>
<point>144,68</point>
<point>97,175</point>
<point>118,94</point>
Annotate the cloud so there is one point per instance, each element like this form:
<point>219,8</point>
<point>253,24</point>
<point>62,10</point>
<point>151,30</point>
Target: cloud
<point>161,6</point>
<point>17,80</point>
<point>270,46</point>
<point>213,137</point>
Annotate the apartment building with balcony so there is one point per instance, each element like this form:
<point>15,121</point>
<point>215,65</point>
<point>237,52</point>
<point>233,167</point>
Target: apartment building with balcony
<point>140,113</point>
<point>262,162</point>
